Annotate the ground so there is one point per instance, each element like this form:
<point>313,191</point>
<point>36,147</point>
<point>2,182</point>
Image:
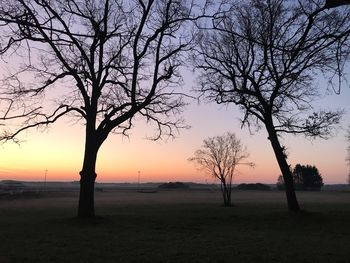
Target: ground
<point>176,226</point>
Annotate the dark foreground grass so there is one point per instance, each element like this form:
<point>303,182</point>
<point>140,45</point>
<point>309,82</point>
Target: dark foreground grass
<point>176,233</point>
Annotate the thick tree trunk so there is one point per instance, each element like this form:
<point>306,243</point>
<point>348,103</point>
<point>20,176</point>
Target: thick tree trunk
<point>86,207</point>
<point>86,196</point>
<point>292,201</point>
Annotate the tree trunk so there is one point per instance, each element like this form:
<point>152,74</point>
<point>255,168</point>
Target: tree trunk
<point>292,201</point>
<point>226,193</point>
<point>86,196</point>
<point>86,207</point>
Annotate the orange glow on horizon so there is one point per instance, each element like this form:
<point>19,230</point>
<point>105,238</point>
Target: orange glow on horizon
<point>60,151</point>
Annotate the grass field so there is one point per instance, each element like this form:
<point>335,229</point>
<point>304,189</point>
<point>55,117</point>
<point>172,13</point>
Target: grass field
<point>177,226</point>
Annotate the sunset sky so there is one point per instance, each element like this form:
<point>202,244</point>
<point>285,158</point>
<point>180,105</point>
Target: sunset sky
<point>60,150</point>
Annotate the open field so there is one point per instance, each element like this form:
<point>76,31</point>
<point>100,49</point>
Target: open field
<point>176,226</point>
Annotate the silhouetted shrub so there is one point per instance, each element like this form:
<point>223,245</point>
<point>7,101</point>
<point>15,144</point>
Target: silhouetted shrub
<point>172,185</point>
<point>256,186</point>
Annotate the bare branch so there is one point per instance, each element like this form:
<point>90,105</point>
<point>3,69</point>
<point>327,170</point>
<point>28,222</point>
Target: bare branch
<point>110,65</point>
<point>34,119</point>
<point>263,57</point>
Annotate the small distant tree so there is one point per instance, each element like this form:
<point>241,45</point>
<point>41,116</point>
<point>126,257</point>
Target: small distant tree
<point>219,157</point>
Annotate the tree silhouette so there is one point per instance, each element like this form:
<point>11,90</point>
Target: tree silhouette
<point>348,152</point>
<point>267,57</point>
<point>101,63</point>
<point>219,156</point>
<point>307,177</point>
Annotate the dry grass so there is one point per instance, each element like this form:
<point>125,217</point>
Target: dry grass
<point>177,226</point>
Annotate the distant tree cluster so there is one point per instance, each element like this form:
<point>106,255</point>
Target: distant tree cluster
<point>256,186</point>
<point>172,185</point>
<point>305,177</point>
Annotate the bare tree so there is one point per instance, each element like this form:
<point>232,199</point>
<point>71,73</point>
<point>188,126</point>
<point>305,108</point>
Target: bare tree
<point>269,57</point>
<point>101,63</point>
<point>219,156</point>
